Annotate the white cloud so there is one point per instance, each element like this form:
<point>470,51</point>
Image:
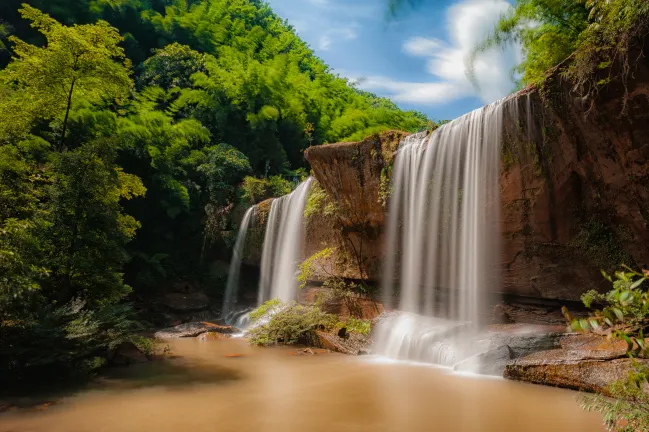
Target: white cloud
<point>337,34</point>
<point>468,21</point>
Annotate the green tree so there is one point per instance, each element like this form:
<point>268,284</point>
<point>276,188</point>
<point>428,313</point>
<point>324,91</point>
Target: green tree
<point>88,231</point>
<point>62,228</point>
<point>83,61</point>
<point>548,31</point>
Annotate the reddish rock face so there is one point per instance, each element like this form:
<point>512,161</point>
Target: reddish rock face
<point>574,189</point>
<point>355,177</point>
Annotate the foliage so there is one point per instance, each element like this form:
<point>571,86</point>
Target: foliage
<point>625,312</point>
<point>615,26</point>
<point>628,410</point>
<point>385,185</point>
<point>355,325</point>
<point>318,203</point>
<point>264,309</point>
<point>255,190</point>
<point>625,316</point>
<point>172,67</point>
<point>307,269</point>
<point>289,323</point>
<point>224,91</point>
<point>338,290</point>
<point>4,31</point>
<point>85,61</point>
<point>63,228</point>
<point>600,33</point>
<point>60,342</point>
<point>548,31</point>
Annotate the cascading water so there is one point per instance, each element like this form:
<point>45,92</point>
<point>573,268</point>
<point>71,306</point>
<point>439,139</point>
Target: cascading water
<point>443,237</point>
<point>232,286</point>
<point>282,245</point>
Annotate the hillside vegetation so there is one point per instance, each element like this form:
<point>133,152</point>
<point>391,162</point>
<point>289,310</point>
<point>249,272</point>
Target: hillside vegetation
<point>127,128</point>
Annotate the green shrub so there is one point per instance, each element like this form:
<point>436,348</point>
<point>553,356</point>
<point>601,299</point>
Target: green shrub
<point>625,311</point>
<point>289,323</point>
<point>615,26</point>
<point>264,309</point>
<point>255,190</point>
<point>67,341</point>
<point>625,316</point>
<point>318,203</point>
<point>355,325</point>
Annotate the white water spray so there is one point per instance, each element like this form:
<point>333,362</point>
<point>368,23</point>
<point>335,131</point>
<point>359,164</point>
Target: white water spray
<point>232,286</point>
<point>282,245</point>
<point>442,236</point>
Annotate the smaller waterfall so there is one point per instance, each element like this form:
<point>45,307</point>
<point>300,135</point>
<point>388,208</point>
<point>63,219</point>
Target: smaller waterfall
<point>282,245</point>
<point>232,286</point>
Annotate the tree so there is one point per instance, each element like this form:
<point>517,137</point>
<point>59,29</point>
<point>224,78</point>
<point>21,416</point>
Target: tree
<point>548,31</point>
<point>172,66</point>
<point>88,231</point>
<point>83,61</point>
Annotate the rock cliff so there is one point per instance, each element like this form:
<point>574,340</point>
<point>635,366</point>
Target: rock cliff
<point>574,189</point>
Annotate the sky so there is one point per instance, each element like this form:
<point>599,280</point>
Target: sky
<point>416,59</point>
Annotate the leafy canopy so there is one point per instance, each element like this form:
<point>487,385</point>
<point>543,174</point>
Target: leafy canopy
<point>83,61</point>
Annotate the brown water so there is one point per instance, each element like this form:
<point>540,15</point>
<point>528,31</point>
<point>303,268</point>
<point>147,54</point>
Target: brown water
<point>273,390</point>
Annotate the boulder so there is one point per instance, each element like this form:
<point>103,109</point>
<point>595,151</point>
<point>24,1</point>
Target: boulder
<point>594,342</point>
<point>186,302</point>
<point>193,329</point>
<point>586,370</point>
<point>213,336</point>
<point>492,362</point>
<point>523,340</point>
<point>352,344</point>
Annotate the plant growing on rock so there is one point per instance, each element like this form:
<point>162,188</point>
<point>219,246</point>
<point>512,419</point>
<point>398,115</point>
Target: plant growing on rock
<point>264,309</point>
<point>625,316</point>
<point>355,325</point>
<point>289,323</point>
<point>339,290</point>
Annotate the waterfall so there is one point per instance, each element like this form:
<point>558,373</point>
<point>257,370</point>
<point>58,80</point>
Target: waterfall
<point>282,245</point>
<point>232,286</point>
<point>443,230</point>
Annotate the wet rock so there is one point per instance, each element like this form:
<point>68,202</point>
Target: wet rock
<point>586,370</point>
<point>353,344</point>
<point>492,362</point>
<point>213,336</point>
<point>500,316</point>
<point>361,306</point>
<point>592,341</point>
<point>351,176</point>
<point>525,340</point>
<point>193,329</point>
<point>127,354</point>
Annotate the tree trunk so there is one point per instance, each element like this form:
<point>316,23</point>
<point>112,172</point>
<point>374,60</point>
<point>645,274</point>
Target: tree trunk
<point>67,115</point>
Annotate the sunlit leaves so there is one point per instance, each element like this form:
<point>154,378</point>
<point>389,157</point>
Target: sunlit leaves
<point>79,62</point>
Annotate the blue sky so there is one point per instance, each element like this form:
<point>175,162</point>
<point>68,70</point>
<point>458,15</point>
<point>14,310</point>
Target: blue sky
<point>417,59</point>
